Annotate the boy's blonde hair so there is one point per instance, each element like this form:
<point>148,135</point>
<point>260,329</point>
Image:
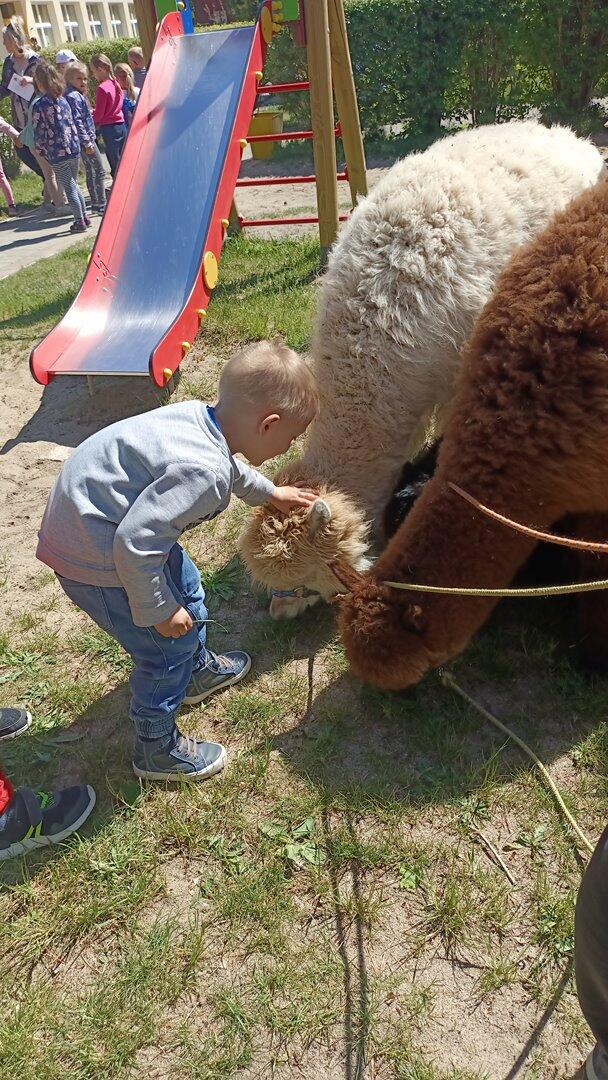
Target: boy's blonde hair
<point>135,51</point>
<point>75,67</point>
<point>270,375</point>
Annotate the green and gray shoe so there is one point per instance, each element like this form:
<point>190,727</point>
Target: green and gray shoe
<point>35,819</point>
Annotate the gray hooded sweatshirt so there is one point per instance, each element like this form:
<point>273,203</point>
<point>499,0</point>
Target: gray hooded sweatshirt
<point>127,493</point>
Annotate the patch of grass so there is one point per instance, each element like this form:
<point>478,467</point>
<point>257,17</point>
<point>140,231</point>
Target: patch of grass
<point>95,1032</point>
<point>112,874</point>
<point>35,298</point>
<point>27,189</point>
<point>499,972</point>
<point>102,650</point>
<point>221,583</point>
<point>264,290</point>
<point>463,905</point>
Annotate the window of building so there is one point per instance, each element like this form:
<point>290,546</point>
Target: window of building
<point>42,27</point>
<point>70,22</point>
<point>133,21</point>
<point>116,21</point>
<point>94,17</point>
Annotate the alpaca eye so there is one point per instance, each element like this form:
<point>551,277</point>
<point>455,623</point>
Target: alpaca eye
<point>413,619</point>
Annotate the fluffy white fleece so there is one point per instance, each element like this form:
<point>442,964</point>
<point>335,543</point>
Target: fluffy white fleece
<point>405,282</point>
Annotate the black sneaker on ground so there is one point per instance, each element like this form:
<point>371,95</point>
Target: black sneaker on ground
<point>78,226</point>
<point>14,722</point>
<point>36,819</point>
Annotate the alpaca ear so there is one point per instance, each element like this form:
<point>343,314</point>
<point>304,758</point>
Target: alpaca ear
<point>318,516</point>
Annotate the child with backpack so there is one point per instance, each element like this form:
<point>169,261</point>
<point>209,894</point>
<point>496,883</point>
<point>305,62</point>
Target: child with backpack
<point>76,96</point>
<point>56,138</point>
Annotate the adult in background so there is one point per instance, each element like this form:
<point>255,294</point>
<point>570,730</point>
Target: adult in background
<point>21,60</point>
<point>137,64</point>
<point>107,113</point>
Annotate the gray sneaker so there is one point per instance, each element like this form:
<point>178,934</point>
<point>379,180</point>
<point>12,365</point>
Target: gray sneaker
<point>218,673</point>
<point>35,819</point>
<point>176,756</point>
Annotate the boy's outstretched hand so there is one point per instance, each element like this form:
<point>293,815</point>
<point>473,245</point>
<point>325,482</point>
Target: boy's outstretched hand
<point>177,625</point>
<point>290,498</point>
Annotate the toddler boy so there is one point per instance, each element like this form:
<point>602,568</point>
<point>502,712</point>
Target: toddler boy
<point>117,510</point>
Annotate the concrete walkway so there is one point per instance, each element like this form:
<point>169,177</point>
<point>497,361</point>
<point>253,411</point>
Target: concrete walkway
<point>34,235</point>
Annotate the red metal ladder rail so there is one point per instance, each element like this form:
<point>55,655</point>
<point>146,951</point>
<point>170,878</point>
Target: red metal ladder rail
<point>270,181</point>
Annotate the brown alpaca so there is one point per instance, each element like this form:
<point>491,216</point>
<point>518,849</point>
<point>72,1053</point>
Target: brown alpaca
<point>527,435</point>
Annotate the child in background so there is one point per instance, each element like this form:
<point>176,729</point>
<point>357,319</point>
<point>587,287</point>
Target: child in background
<point>118,508</point>
<point>76,96</point>
<point>124,78</point>
<point>6,189</point>
<point>63,58</point>
<point>56,138</point>
<point>107,113</point>
<point>135,57</point>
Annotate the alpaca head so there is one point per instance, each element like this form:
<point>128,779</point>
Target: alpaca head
<point>290,554</point>
<point>384,635</point>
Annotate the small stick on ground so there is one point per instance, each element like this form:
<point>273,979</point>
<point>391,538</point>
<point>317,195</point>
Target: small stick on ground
<point>493,853</point>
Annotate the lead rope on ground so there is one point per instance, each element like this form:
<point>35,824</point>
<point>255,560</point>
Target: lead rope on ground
<point>449,681</point>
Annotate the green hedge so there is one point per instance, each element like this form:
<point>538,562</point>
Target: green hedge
<point>418,62</point>
<point>116,50</point>
<point>421,63</point>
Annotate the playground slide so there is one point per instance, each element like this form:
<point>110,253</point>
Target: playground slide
<point>154,262</point>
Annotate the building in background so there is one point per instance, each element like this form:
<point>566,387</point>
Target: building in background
<point>54,23</point>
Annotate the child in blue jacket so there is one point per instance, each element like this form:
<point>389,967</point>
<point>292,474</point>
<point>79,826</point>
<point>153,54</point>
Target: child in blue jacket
<point>76,96</point>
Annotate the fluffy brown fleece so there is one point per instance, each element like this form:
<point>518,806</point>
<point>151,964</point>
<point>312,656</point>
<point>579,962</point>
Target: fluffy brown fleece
<point>528,435</point>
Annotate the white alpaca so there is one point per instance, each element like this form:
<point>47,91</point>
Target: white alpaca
<point>409,274</point>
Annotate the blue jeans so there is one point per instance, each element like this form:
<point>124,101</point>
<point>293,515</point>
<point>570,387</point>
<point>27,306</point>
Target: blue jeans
<point>162,666</point>
<point>114,136</point>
